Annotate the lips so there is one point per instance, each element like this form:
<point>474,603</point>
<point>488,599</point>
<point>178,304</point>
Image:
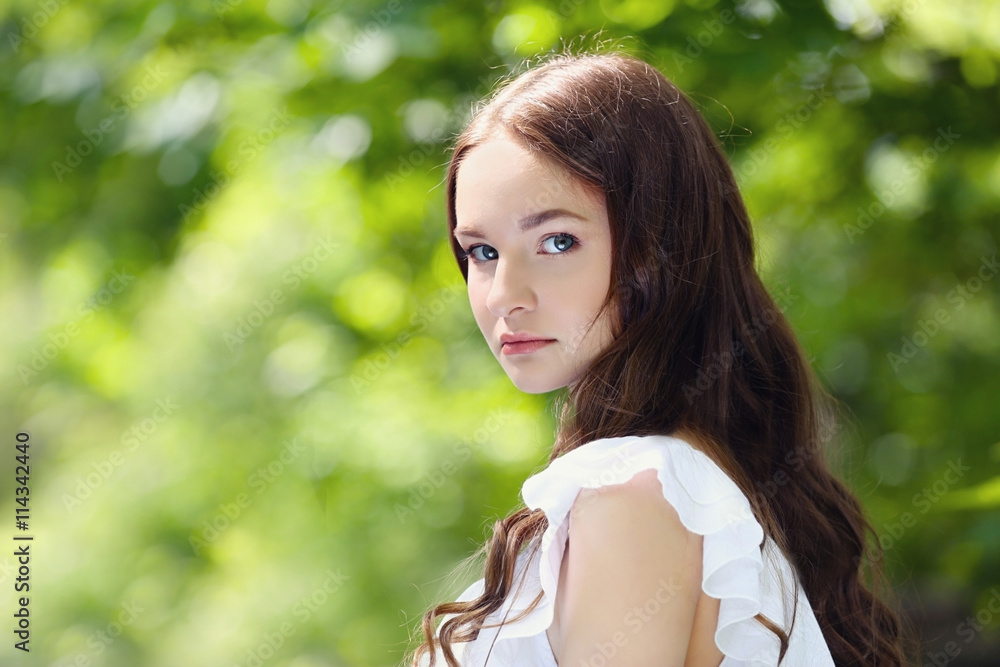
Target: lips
<point>524,347</point>
<point>521,337</point>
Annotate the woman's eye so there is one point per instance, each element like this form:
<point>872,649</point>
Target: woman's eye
<point>557,244</point>
<point>490,253</point>
<point>560,243</point>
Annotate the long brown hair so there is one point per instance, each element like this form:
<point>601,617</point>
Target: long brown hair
<point>701,347</point>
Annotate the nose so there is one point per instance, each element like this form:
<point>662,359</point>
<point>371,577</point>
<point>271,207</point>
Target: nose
<point>511,289</point>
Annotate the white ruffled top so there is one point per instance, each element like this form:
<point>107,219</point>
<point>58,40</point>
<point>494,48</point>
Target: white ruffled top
<point>744,579</point>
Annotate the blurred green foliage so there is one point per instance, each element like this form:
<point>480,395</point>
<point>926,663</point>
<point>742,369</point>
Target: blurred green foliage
<point>263,423</point>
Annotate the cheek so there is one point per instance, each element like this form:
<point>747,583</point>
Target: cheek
<point>477,292</point>
<point>587,298</point>
<point>477,300</point>
<point>589,289</point>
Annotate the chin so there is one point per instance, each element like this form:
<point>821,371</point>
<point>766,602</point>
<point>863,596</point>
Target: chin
<point>534,384</point>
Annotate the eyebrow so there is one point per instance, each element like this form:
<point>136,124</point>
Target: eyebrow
<point>528,222</point>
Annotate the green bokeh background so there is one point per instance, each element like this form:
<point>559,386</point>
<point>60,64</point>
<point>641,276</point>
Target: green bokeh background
<point>264,425</point>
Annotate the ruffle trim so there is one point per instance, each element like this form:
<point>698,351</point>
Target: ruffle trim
<point>708,503</point>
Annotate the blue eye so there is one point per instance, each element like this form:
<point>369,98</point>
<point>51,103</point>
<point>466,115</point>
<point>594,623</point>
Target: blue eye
<point>471,252</point>
<point>568,239</point>
<point>566,243</point>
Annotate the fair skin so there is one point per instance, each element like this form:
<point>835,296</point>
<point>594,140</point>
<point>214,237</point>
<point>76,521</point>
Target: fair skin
<point>549,280</point>
<point>629,590</point>
<point>629,548</point>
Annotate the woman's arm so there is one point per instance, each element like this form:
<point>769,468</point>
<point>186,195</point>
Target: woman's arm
<point>633,579</point>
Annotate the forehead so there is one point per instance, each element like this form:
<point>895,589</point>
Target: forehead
<point>500,174</point>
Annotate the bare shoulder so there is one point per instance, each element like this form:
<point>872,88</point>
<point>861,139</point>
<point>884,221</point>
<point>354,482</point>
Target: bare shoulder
<point>633,521</point>
<point>642,492</point>
<point>631,572</point>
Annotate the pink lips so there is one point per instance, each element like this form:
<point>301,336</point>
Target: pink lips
<point>524,347</point>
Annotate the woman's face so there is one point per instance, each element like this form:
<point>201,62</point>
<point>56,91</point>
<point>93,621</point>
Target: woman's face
<point>539,245</point>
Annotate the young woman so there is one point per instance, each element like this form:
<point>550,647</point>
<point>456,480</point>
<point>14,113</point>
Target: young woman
<point>687,515</point>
